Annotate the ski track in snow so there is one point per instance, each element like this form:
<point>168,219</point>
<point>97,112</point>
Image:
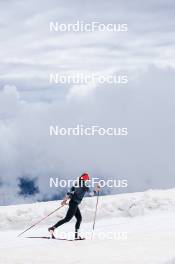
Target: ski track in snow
<point>148,220</point>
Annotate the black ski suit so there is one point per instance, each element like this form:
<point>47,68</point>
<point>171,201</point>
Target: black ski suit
<point>76,195</point>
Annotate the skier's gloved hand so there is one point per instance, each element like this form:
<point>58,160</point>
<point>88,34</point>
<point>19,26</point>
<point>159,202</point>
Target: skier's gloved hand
<point>64,202</point>
<point>97,189</point>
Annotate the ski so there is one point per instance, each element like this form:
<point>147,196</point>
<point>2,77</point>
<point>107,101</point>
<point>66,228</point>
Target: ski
<point>47,237</point>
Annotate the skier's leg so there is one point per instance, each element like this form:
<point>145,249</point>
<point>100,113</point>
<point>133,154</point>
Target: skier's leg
<point>70,213</point>
<point>79,219</point>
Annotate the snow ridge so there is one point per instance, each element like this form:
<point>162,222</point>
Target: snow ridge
<point>122,205</point>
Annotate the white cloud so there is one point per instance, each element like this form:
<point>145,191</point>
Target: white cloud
<point>81,90</point>
<point>30,51</point>
<point>9,97</point>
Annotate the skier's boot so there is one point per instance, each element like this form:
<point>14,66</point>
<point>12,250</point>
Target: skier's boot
<point>51,230</point>
<point>77,237</point>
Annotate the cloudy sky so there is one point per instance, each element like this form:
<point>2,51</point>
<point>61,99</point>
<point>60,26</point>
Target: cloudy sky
<point>29,104</point>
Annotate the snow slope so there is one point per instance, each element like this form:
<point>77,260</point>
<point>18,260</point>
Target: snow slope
<point>130,228</point>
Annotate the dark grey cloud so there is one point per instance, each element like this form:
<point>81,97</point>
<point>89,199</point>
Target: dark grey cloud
<point>144,158</point>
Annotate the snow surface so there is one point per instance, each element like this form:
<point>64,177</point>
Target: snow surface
<point>142,226</point>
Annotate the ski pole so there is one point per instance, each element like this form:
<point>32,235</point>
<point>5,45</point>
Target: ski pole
<point>95,215</point>
<point>40,220</point>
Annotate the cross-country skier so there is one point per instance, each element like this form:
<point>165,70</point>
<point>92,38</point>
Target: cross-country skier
<point>75,197</point>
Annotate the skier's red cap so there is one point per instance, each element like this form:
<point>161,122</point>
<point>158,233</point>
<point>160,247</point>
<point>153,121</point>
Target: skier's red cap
<point>84,177</point>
